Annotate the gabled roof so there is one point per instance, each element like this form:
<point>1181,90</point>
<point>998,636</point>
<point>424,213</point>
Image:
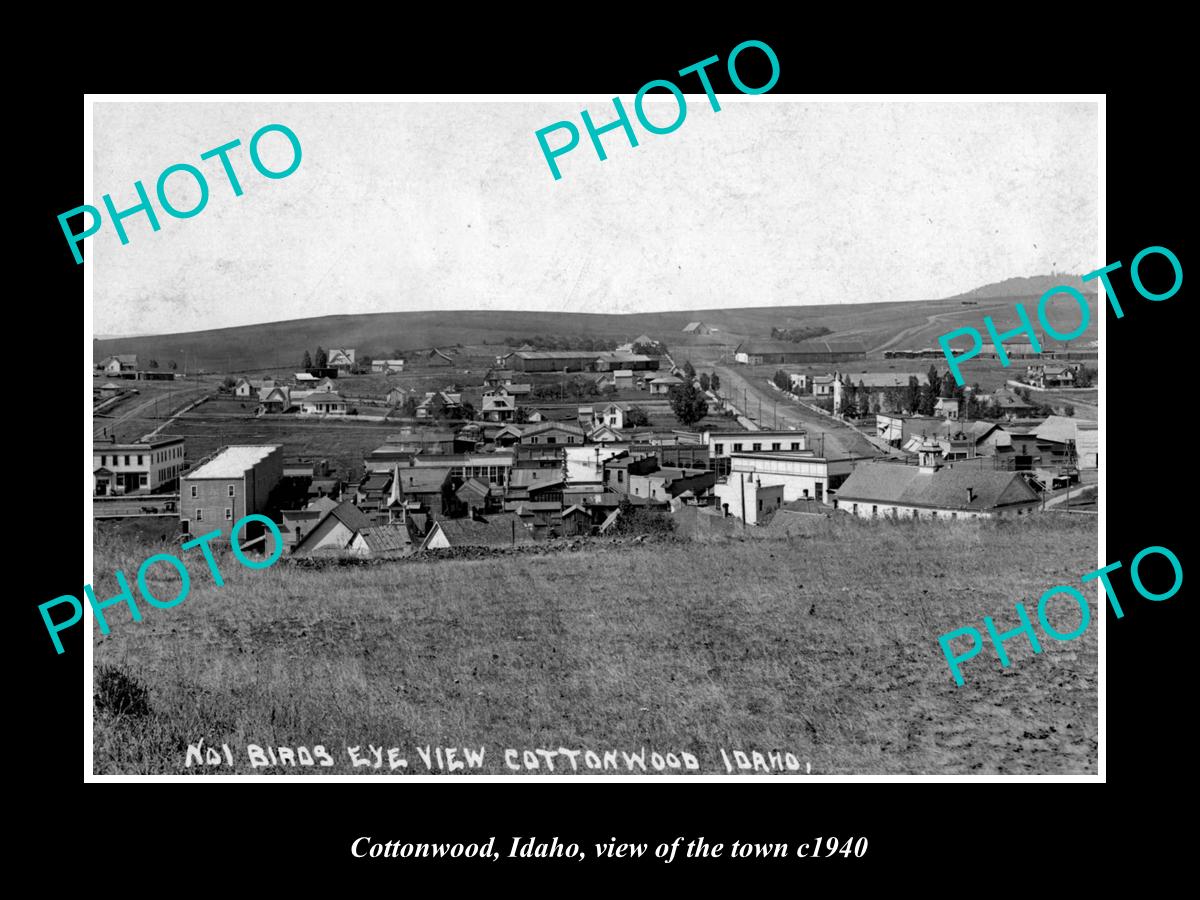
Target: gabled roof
<point>383,538</point>
<point>542,427</point>
<point>494,531</point>
<point>945,488</point>
<point>350,516</point>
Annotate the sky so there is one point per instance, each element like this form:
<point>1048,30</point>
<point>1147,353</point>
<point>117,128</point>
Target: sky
<point>442,206</point>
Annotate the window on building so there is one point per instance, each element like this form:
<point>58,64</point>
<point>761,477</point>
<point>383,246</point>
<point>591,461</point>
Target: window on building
<point>103,459</point>
<point>228,513</point>
<point>795,445</point>
<point>756,447</point>
<point>127,459</point>
<point>776,445</point>
<point>737,448</point>
<point>954,515</point>
<point>194,491</point>
<point>934,513</point>
<point>199,515</point>
<point>139,462</point>
<point>760,505</point>
<point>551,440</point>
<point>620,476</point>
<point>855,509</point>
<point>874,511</point>
<point>142,479</point>
<point>720,449</point>
<point>231,490</point>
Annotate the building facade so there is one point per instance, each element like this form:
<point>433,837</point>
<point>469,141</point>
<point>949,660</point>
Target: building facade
<point>148,466</point>
<point>234,483</point>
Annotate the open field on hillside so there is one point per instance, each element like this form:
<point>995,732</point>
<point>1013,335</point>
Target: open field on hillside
<point>823,646</point>
<point>281,344</point>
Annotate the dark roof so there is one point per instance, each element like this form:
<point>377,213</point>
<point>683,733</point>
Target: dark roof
<point>350,516</point>
<point>945,488</point>
<point>382,538</point>
<point>473,487</point>
<point>376,481</point>
<point>495,531</point>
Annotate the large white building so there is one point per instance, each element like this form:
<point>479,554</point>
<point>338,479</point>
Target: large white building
<point>803,475</point>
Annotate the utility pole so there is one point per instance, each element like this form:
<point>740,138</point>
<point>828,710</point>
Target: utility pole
<point>742,496</point>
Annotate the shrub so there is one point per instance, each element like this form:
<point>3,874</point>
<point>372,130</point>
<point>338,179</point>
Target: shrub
<point>120,693</point>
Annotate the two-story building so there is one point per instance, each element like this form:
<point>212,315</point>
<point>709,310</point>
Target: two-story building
<point>149,466</point>
<point>230,485</point>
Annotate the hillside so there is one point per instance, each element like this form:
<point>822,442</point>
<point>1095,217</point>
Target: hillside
<point>805,645</point>
<point>1027,287</point>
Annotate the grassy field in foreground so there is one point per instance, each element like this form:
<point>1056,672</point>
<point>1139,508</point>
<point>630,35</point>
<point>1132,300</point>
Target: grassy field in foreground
<point>822,646</point>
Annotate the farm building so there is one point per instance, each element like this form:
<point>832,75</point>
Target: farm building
<point>150,466</point>
<point>340,358</point>
<point>115,365</point>
<point>817,350</point>
<point>334,532</point>
<point>698,328</point>
<point>877,489</point>
<point>636,362</point>
<point>229,485</point>
<point>436,357</point>
<point>553,361</point>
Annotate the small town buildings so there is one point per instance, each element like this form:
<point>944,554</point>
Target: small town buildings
<point>698,328</point>
<point>823,385</point>
<point>721,445</point>
<point>340,358</point>
<point>122,362</point>
<point>618,361</point>
<point>948,407</point>
<point>499,530</point>
<point>623,379</point>
<point>747,498</point>
<point>245,388</point>
<point>387,366</point>
<point>876,384</point>
<point>803,475</point>
<point>323,403</point>
<point>930,490</point>
<point>1051,375</point>
<point>436,357</point>
<point>664,384</point>
<point>276,400</point>
<point>334,532</point>
<point>304,380</point>
<point>498,405</point>
<point>817,350</point>
<point>382,541</point>
<point>553,360</point>
<point>395,396</point>
<point>552,433</point>
<point>150,466</point>
<point>230,485</point>
<point>1013,405</point>
<point>451,404</point>
<point>801,382</point>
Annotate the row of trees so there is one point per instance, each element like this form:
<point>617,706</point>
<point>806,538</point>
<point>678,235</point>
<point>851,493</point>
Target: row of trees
<point>171,364</point>
<point>796,335</point>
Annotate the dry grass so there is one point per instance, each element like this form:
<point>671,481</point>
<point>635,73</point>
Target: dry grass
<point>824,646</point>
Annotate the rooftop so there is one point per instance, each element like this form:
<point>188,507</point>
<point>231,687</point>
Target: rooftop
<point>965,488</point>
<point>232,462</point>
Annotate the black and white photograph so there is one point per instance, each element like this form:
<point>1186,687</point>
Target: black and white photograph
<point>530,437</point>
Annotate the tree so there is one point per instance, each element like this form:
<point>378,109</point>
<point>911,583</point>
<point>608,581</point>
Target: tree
<point>468,410</point>
<point>715,382</point>
<point>781,380</point>
<point>635,417</point>
<point>321,360</point>
<point>437,407</point>
<point>935,381</point>
<point>154,363</point>
<point>912,395</point>
<point>864,399</point>
<point>847,407</point>
<point>410,406</point>
<point>172,365</point>
<point>689,370</point>
<point>521,415</point>
<point>1069,410</point>
<point>1085,377</point>
<point>306,363</point>
<point>927,400</point>
<point>704,382</point>
<point>228,383</point>
<point>688,403</point>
